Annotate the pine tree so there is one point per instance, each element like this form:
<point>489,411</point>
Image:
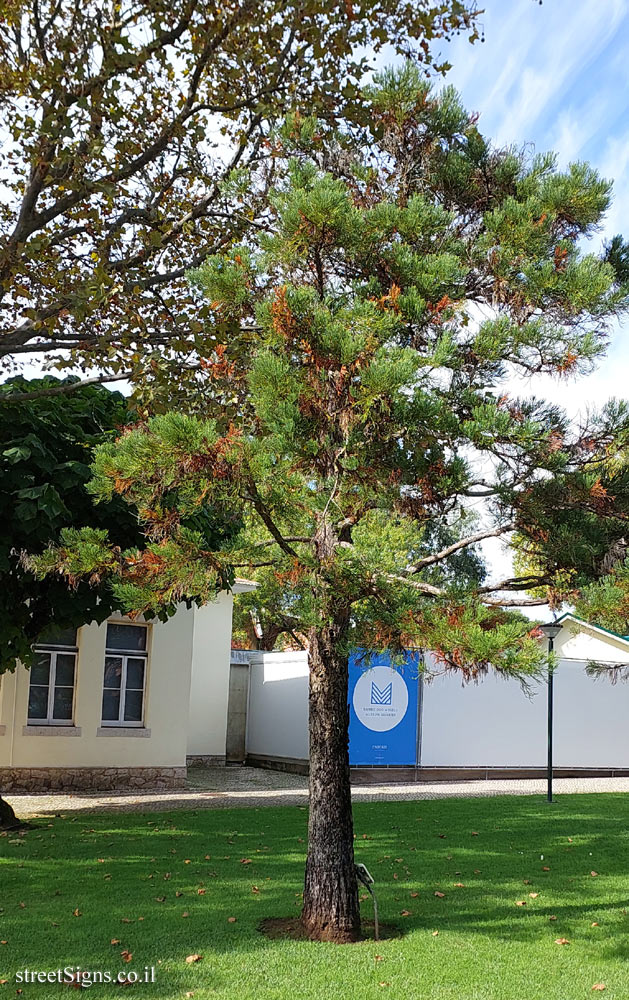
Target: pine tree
<point>397,291</point>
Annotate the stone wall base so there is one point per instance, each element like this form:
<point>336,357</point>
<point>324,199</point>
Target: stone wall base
<point>205,760</point>
<point>92,779</point>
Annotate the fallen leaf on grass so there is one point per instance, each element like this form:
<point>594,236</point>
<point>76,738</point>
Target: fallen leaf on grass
<point>378,958</point>
<point>193,958</point>
<point>434,933</point>
<point>126,956</point>
<point>77,913</point>
<point>231,920</point>
<point>552,918</point>
<point>520,902</point>
<point>598,986</point>
<point>474,833</point>
<point>545,868</point>
<point>594,923</point>
<point>533,895</point>
<point>185,914</point>
<point>594,874</point>
<point>245,861</point>
<point>115,941</point>
<point>200,892</point>
<point>414,895</point>
<point>440,895</point>
<point>561,941</point>
<point>459,885</point>
<point>405,913</point>
<point>160,899</point>
<point>254,888</point>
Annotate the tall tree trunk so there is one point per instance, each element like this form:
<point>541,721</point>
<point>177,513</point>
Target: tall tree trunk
<point>331,909</point>
<point>8,819</point>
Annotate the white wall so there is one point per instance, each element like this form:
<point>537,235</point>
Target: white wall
<point>591,719</point>
<point>277,724</point>
<point>489,724</point>
<point>209,692</point>
<point>494,724</point>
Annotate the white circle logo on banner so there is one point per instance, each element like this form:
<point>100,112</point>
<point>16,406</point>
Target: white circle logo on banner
<point>380,698</point>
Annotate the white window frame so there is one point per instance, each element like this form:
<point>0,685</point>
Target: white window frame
<point>53,651</point>
<point>125,655</point>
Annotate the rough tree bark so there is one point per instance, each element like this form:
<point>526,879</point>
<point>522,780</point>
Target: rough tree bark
<point>8,819</point>
<point>331,909</point>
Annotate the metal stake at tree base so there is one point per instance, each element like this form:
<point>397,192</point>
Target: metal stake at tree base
<point>363,875</point>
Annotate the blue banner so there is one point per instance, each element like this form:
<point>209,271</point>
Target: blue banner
<point>383,708</point>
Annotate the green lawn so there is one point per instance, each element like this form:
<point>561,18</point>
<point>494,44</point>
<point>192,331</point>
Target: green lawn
<point>68,889</point>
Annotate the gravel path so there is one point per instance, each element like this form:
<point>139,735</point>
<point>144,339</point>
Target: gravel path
<point>219,788</point>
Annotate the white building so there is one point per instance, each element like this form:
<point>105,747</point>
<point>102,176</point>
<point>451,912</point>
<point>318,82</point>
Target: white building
<point>489,729</point>
<point>125,703</point>
<point>131,703</point>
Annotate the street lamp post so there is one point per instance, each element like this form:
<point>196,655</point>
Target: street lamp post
<point>551,631</point>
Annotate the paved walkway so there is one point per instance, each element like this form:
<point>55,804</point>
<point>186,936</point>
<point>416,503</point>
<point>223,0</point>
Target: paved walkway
<point>220,787</point>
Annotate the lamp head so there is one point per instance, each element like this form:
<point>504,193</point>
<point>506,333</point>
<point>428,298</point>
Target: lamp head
<point>551,629</point>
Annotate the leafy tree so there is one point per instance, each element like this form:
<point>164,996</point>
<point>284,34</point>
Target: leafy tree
<point>386,308</point>
<point>45,452</point>
<point>137,144</point>
<point>47,446</point>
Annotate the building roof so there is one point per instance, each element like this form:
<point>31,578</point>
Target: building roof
<point>603,632</point>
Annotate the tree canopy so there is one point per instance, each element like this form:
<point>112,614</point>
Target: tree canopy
<point>395,293</point>
<point>46,447</point>
<point>138,143</point>
<point>386,309</point>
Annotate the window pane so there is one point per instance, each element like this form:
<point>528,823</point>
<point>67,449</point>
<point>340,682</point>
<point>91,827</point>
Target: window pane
<point>133,706</point>
<point>38,702</point>
<point>65,669</point>
<point>55,636</point>
<point>132,637</point>
<point>135,673</point>
<point>62,704</point>
<point>111,705</point>
<point>40,670</point>
<point>113,671</point>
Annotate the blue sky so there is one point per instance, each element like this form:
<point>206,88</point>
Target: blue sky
<point>557,76</point>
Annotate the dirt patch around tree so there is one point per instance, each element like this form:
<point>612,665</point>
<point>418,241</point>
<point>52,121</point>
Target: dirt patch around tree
<point>292,929</point>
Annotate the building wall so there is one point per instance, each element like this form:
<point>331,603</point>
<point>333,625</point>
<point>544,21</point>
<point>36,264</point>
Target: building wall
<point>153,754</point>
<point>206,723</point>
<point>492,724</point>
<point>277,724</point>
<point>489,724</point>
